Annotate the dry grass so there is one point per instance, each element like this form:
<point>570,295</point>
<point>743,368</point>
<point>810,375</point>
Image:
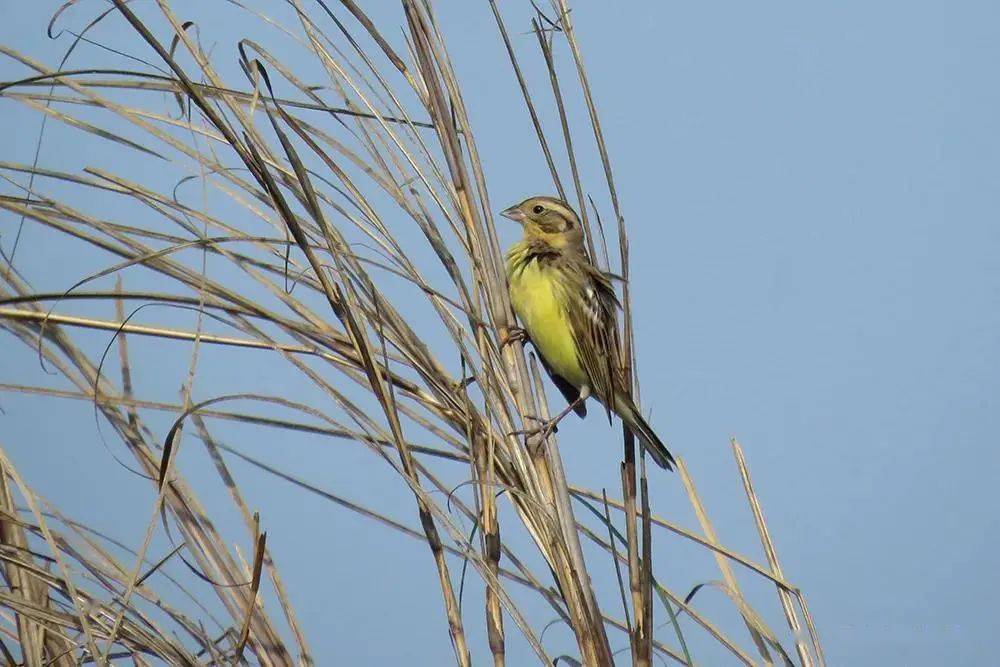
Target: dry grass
<point>363,229</point>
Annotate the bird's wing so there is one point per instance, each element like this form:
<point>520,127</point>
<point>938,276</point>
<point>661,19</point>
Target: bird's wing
<point>595,330</point>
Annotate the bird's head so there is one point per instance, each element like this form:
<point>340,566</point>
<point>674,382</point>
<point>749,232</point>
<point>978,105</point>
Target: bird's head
<point>549,220</point>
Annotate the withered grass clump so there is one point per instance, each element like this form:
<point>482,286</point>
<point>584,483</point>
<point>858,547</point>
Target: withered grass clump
<point>353,222</point>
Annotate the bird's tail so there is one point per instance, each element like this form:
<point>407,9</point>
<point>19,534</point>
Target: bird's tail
<point>640,429</point>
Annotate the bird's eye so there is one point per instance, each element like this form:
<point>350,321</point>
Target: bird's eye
<point>538,209</point>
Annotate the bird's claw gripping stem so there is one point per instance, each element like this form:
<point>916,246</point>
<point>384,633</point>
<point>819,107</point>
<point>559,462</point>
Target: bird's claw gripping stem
<point>513,335</point>
<point>550,426</point>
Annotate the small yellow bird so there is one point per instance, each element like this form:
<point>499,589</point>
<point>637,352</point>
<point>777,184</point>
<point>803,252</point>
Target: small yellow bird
<point>567,307</point>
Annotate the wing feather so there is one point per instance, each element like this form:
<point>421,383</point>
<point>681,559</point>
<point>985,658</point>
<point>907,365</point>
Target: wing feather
<point>592,315</point>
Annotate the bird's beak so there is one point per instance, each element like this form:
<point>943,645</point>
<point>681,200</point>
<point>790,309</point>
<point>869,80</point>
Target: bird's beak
<point>514,213</point>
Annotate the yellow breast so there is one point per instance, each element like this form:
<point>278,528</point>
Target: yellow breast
<point>537,300</point>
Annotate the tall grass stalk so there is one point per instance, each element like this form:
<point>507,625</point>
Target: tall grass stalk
<point>330,182</point>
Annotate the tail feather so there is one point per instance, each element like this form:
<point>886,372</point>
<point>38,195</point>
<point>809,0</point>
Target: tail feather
<point>640,429</point>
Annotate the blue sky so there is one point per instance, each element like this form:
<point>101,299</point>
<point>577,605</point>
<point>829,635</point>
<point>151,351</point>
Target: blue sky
<point>812,194</point>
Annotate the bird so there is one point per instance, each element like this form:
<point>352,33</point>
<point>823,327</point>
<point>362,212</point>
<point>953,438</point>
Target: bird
<point>568,309</point>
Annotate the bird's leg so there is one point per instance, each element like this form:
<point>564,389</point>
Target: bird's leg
<point>513,335</point>
<point>550,426</point>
